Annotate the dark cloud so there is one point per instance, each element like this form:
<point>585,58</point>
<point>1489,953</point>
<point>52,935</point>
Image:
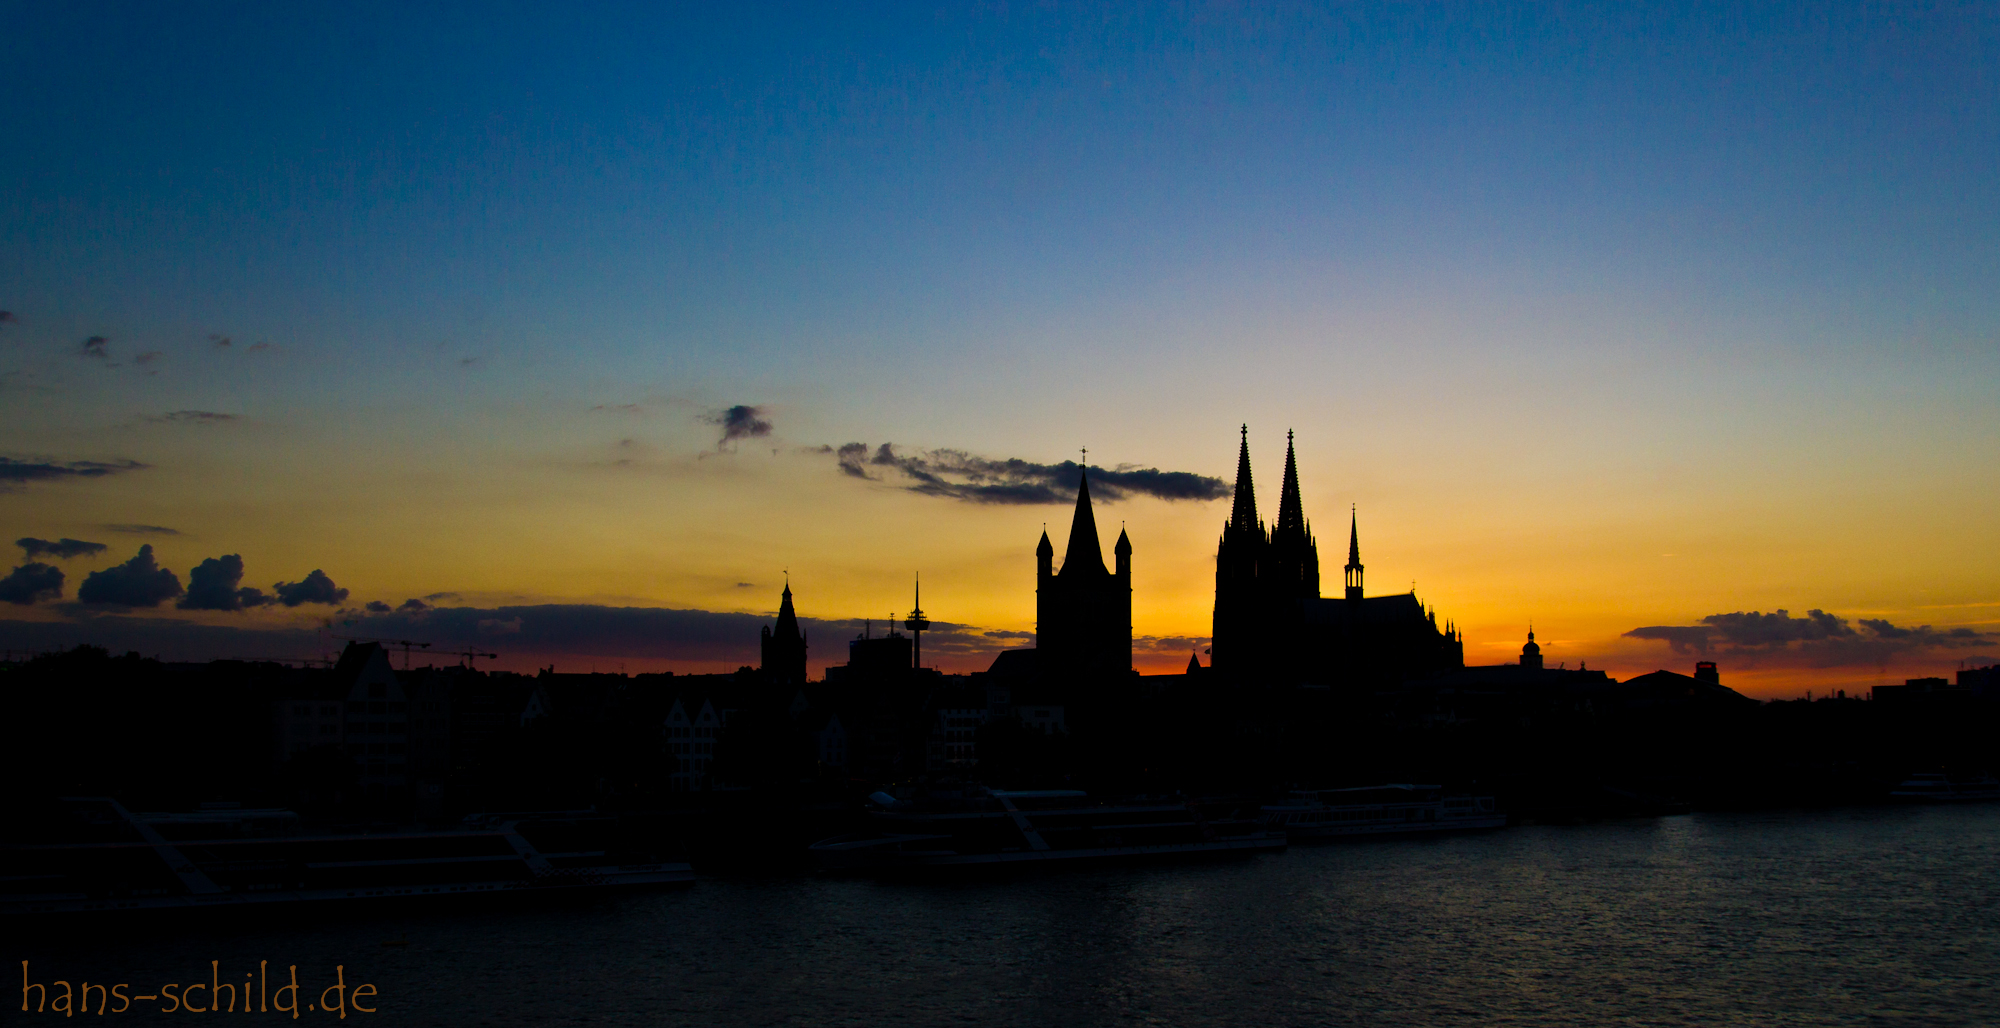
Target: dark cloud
<point>434,597</point>
<point>1819,639</point>
<point>30,582</point>
<point>148,357</point>
<point>739,422</point>
<point>96,346</point>
<point>197,417</point>
<point>315,588</point>
<point>466,362</point>
<point>1009,635</point>
<point>417,605</point>
<point>13,473</point>
<point>1683,639</point>
<point>7,317</point>
<point>61,549</point>
<point>957,475</point>
<point>254,347</point>
<point>377,607</point>
<point>130,529</point>
<point>619,408</point>
<point>219,340</point>
<point>214,585</point>
<point>139,582</point>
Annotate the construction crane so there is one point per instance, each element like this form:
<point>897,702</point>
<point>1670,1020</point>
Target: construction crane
<point>406,644</point>
<point>469,655</point>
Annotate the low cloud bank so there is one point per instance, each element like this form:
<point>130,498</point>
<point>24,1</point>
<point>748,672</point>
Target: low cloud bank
<point>958,475</point>
<point>1818,639</point>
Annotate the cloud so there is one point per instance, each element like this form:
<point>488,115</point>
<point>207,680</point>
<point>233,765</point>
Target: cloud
<point>1682,639</point>
<point>213,585</point>
<point>131,529</point>
<point>30,582</point>
<point>255,347</point>
<point>219,340</point>
<point>466,362</point>
<point>739,422</point>
<point>495,626</point>
<point>958,475</point>
<point>61,549</point>
<point>418,605</point>
<point>619,408</point>
<point>1819,639</point>
<point>196,417</point>
<point>8,318</point>
<point>97,347</point>
<point>434,597</point>
<point>13,473</point>
<point>139,582</point>
<point>377,607</point>
<point>315,588</point>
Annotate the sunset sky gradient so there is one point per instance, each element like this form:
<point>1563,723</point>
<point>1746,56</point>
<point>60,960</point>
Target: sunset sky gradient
<point>1610,317</point>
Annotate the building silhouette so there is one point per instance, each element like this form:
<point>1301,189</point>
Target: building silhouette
<point>1273,628</point>
<point>784,647</point>
<point>1083,612</point>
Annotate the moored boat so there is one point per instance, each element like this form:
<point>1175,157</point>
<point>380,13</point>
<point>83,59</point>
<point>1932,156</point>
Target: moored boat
<point>126,861</point>
<point>1942,788</point>
<point>977,827</point>
<point>1379,810</point>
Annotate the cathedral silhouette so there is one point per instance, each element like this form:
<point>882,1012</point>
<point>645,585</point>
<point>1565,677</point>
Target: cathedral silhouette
<point>1273,628</point>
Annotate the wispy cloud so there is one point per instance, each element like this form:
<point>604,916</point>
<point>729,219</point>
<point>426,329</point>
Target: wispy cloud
<point>134,529</point>
<point>958,475</point>
<point>194,417</point>
<point>61,549</point>
<point>16,473</point>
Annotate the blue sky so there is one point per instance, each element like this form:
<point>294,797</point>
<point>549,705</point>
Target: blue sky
<point>1633,247</point>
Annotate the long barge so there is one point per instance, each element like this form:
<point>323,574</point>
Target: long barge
<point>152,862</point>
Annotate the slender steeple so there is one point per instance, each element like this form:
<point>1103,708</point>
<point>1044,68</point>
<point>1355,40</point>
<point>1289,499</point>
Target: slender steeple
<point>1354,557</point>
<point>1291,511</point>
<point>1084,555</point>
<point>1243,517</point>
<point>788,619</point>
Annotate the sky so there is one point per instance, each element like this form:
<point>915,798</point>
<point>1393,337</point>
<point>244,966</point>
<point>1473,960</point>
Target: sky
<point>1673,329</point>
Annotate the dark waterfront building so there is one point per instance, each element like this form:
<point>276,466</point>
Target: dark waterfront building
<point>1083,612</point>
<point>1273,628</point>
<point>784,648</point>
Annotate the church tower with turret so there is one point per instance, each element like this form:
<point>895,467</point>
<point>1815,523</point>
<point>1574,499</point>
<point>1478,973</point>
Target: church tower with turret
<point>784,648</point>
<point>1083,611</point>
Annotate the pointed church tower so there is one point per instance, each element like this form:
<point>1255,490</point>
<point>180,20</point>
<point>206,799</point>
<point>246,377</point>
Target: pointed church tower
<point>1294,563</point>
<point>1083,613</point>
<point>1237,637</point>
<point>1084,556</point>
<point>1354,557</point>
<point>784,648</point>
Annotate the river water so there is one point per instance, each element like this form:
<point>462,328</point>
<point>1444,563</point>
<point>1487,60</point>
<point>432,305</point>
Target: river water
<point>1871,916</point>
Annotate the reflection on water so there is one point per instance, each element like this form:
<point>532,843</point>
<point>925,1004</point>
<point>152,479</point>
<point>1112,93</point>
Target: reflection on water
<point>1850,917</point>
